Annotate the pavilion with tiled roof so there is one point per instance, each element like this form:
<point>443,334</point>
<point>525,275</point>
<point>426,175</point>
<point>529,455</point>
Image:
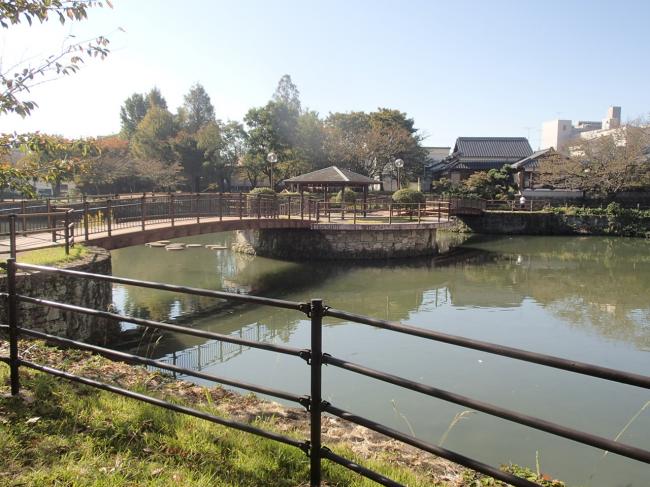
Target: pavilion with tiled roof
<point>329,177</point>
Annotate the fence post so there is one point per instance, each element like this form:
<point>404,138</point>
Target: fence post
<point>24,220</point>
<point>317,211</point>
<point>302,207</point>
<point>439,210</point>
<point>220,204</point>
<point>241,205</point>
<point>259,206</point>
<point>289,207</point>
<point>316,399</point>
<point>12,317</point>
<point>66,232</point>
<point>419,212</point>
<point>85,220</point>
<point>50,224</point>
<point>143,214</point>
<point>196,208</point>
<point>12,236</point>
<point>109,217</point>
<point>390,213</point>
<point>172,208</point>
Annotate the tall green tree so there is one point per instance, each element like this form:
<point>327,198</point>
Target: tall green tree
<point>197,109</point>
<point>287,93</point>
<point>155,99</point>
<point>131,113</point>
<point>153,136</point>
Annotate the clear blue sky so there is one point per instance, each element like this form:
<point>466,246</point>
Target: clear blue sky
<point>461,68</point>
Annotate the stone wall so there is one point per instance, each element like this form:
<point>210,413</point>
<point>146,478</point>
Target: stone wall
<point>71,290</point>
<point>330,242</point>
<point>541,223</point>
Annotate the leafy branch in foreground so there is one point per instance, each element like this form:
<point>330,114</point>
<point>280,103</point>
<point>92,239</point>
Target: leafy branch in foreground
<point>21,77</point>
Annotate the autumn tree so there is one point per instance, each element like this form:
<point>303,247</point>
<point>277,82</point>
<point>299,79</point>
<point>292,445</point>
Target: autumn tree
<point>55,159</point>
<point>603,166</point>
<point>111,171</point>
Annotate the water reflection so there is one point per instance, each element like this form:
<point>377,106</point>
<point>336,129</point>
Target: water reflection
<point>583,298</point>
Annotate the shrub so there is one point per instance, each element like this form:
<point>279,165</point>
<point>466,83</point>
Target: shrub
<point>408,196</point>
<point>350,196</point>
<point>263,191</point>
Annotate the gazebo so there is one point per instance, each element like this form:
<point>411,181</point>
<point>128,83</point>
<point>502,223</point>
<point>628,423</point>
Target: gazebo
<point>332,177</point>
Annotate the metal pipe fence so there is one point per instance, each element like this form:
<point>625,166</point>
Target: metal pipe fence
<point>315,357</point>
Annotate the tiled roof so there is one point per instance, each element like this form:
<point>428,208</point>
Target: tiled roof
<point>532,161</point>
<point>494,147</point>
<point>332,174</point>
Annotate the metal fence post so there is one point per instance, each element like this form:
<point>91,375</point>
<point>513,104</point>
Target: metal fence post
<point>220,205</point>
<point>143,215</point>
<point>315,405</point>
<point>259,206</point>
<point>302,207</point>
<point>24,220</point>
<point>419,212</point>
<point>50,224</point>
<point>198,213</point>
<point>12,236</point>
<point>12,317</point>
<point>241,205</point>
<point>390,213</point>
<point>85,221</point>
<point>109,217</point>
<point>171,207</point>
<point>289,208</point>
<point>66,232</point>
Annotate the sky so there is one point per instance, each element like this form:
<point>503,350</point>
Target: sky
<point>458,68</point>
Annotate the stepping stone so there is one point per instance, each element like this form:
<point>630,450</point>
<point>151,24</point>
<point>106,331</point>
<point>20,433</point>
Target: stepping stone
<point>218,247</point>
<point>175,247</point>
<point>155,244</point>
<point>193,245</point>
<point>166,242</point>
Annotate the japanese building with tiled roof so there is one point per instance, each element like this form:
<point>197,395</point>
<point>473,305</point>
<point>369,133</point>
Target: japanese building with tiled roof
<point>472,154</point>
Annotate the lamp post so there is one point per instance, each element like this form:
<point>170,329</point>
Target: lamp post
<point>399,164</point>
<point>272,158</point>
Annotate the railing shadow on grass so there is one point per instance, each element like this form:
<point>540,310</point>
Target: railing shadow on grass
<point>315,358</point>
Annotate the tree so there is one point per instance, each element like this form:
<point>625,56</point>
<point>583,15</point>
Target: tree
<point>272,128</point>
<point>197,109</point>
<point>310,140</point>
<point>155,99</point>
<point>111,171</point>
<point>131,114</point>
<point>603,166</point>
<point>19,79</point>
<point>190,156</point>
<point>493,184</point>
<point>152,138</point>
<point>287,93</point>
<point>55,159</point>
<point>15,180</point>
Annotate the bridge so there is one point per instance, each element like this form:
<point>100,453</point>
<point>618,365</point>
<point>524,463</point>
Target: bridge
<point>125,220</point>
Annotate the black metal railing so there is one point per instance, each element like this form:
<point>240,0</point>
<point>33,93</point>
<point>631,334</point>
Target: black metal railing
<point>50,228</point>
<point>315,358</point>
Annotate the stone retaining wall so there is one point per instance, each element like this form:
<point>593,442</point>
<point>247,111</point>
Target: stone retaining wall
<point>71,290</point>
<point>331,242</point>
<point>541,223</point>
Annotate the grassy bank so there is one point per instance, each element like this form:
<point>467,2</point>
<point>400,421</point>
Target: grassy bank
<point>60,433</point>
<point>51,256</point>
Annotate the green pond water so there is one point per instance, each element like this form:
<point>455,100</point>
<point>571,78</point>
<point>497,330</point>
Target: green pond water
<point>582,298</point>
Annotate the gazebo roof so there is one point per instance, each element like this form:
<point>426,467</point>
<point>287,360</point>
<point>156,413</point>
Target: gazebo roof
<point>332,175</point>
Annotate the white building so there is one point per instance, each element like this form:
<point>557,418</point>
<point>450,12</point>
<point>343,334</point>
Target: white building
<point>561,134</point>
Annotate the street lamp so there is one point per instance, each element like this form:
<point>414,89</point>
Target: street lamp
<point>399,164</point>
<point>272,158</point>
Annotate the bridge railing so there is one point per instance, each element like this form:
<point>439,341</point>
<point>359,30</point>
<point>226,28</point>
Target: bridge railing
<point>383,212</point>
<point>315,357</point>
<point>97,216</point>
<point>40,229</point>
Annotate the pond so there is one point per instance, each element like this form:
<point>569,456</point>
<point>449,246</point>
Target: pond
<point>584,298</point>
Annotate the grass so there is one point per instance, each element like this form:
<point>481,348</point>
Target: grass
<point>51,256</point>
<point>61,433</point>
